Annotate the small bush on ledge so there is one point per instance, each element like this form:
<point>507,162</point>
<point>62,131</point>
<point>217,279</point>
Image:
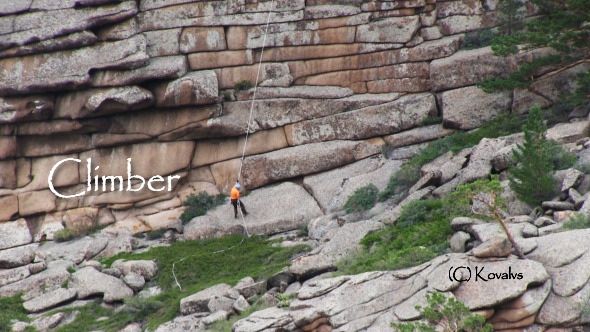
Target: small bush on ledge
<point>199,204</point>
<point>363,199</point>
<point>242,85</point>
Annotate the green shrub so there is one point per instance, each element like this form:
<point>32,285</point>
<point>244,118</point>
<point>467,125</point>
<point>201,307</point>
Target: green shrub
<point>531,174</point>
<point>577,221</point>
<point>479,39</point>
<point>448,313</point>
<point>504,124</point>
<point>198,205</point>
<point>157,234</point>
<point>11,308</point>
<point>362,199</point>
<point>430,121</point>
<point>242,85</point>
<point>65,234</point>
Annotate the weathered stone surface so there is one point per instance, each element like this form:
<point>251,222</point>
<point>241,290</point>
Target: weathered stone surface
<point>80,219</point>
<point>265,216</point>
<point>40,72</point>
<point>345,239</point>
<point>216,150</point>
<point>467,68</point>
<point>417,135</point>
<point>307,92</point>
<point>99,102</point>
<point>498,246</point>
<point>389,30</point>
<point>88,281</point>
<point>166,67</point>
<point>42,25</point>
<point>558,205</point>
<point>8,207</point>
<point>168,219</point>
<point>13,275</point>
<point>331,189</point>
<point>144,268</point>
<point>55,274</point>
<point>469,107</point>
<point>64,175</point>
<point>559,249</point>
<point>74,40</point>
<point>569,132</point>
<point>33,202</point>
<point>7,8</point>
<point>113,162</point>
<point>46,323</point>
<point>163,42</point>
<point>192,322</point>
<point>63,127</point>
<point>300,160</point>
<point>195,88</point>
<point>17,256</point>
<point>39,146</point>
<point>7,147</point>
<point>307,267</point>
<point>570,278</point>
<point>119,244</point>
<point>18,109</point>
<point>372,121</point>
<point>523,100</point>
<point>480,165</point>
<point>558,310</point>
<point>75,251</point>
<point>199,302</point>
<point>49,300</point>
<point>525,305</point>
<point>14,234</point>
<point>202,40</point>
<point>8,174</point>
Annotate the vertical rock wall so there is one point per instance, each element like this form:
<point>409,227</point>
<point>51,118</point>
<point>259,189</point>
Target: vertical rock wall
<point>153,81</point>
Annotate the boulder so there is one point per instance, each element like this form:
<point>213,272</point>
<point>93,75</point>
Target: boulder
<point>39,72</point>
<point>17,256</point>
<point>457,241</point>
<point>266,216</point>
<point>134,281</point>
<point>498,246</point>
<point>248,288</point>
<point>195,88</point>
<point>241,305</point>
<point>570,278</point>
<point>525,305</point>
<point>344,240</point>
<point>199,302</point>
<point>188,323</point>
<point>197,39</point>
<point>389,30</point>
<point>121,243</point>
<point>466,68</point>
<point>52,222</point>
<point>75,251</point>
<point>88,281</point>
<point>80,219</point>
<point>458,107</point>
<point>372,121</point>
<point>560,310</point>
<point>49,300</point>
<point>146,269</point>
<point>569,132</point>
<point>559,249</point>
<point>46,323</point>
<point>307,267</point>
<point>55,275</point>
<point>14,233</point>
<point>523,100</point>
<point>555,205</point>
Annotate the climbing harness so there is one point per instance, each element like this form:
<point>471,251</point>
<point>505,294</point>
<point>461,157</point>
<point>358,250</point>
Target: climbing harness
<point>245,144</point>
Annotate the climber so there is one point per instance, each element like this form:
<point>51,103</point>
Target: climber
<point>235,200</point>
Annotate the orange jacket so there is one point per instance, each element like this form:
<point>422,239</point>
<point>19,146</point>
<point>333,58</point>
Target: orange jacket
<point>235,193</point>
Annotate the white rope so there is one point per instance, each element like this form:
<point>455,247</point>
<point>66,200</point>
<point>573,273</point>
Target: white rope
<point>255,88</point>
<point>244,149</point>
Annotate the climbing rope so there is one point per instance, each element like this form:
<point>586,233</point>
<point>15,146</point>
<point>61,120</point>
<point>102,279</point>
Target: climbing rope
<point>245,144</point>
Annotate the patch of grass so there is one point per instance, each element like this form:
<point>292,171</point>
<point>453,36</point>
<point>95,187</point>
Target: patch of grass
<point>430,121</point>
<point>479,39</point>
<point>504,124</point>
<point>199,204</point>
<point>242,85</point>
<point>202,268</point>
<point>68,234</point>
<point>157,234</point>
<point>577,221</point>
<point>11,309</point>
<point>421,233</point>
<point>362,199</point>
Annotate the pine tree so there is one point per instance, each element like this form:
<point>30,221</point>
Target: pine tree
<point>531,176</point>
